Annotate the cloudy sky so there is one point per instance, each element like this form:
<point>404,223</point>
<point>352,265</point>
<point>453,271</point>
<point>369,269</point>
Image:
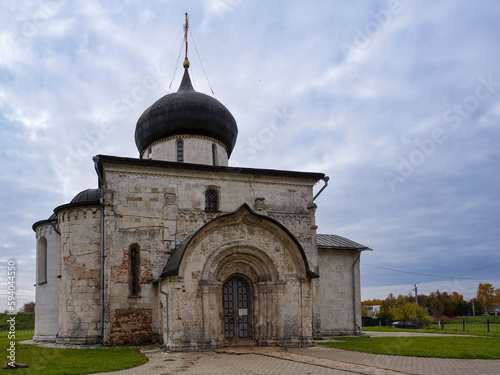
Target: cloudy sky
<point>397,101</point>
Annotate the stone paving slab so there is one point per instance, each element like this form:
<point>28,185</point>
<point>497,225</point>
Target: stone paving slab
<point>212,363</point>
<point>409,365</point>
<point>258,360</point>
<point>304,357</point>
<point>48,344</point>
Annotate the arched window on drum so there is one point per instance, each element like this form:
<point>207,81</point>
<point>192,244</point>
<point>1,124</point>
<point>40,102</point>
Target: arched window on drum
<point>41,272</point>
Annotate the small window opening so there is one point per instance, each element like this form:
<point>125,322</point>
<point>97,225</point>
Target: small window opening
<point>214,154</point>
<point>150,153</point>
<point>42,261</point>
<point>134,270</point>
<point>211,200</point>
<point>180,151</point>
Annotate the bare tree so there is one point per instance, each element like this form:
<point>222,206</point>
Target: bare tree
<point>28,307</point>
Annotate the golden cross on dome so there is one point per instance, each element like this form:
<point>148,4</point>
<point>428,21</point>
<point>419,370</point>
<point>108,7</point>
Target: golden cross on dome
<point>186,28</point>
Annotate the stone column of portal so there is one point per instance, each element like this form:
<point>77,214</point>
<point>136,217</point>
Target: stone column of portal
<point>256,311</point>
<point>279,289</point>
<point>306,312</point>
<point>265,311</point>
<point>205,291</point>
<point>271,311</point>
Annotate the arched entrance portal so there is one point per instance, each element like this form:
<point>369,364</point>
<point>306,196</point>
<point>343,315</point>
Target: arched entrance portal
<point>242,279</point>
<point>236,301</point>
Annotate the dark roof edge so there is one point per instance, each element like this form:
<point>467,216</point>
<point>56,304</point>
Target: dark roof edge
<point>344,248</point>
<point>200,167</point>
<point>89,203</point>
<point>39,222</point>
<point>342,243</point>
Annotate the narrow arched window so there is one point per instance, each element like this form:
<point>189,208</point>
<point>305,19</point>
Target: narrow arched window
<point>150,153</point>
<point>214,154</point>
<point>42,261</point>
<point>134,260</point>
<point>180,151</point>
<point>211,200</point>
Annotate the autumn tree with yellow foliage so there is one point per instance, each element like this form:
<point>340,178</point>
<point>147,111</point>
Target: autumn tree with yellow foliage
<point>488,296</point>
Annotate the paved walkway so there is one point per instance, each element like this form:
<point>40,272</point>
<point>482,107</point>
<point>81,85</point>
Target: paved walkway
<point>255,360</point>
<point>214,363</point>
<point>406,365</point>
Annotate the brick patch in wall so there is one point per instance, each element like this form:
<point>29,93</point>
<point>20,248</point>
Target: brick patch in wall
<point>132,326</point>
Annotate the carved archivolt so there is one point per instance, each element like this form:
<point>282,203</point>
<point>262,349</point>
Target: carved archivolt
<point>256,264</point>
<point>243,241</point>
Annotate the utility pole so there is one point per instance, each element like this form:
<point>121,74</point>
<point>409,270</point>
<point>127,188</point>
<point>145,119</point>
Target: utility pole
<point>416,295</point>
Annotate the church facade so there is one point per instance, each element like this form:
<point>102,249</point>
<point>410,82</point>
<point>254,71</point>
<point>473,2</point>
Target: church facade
<point>178,248</point>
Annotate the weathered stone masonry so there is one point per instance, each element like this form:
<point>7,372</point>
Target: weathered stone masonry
<point>195,254</point>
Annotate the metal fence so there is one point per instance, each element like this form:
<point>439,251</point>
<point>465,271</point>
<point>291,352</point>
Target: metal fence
<point>466,326</point>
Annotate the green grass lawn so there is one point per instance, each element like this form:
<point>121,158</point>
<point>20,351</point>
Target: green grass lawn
<point>431,330</point>
<point>481,319</point>
<point>23,321</point>
<point>432,347</point>
<point>52,361</point>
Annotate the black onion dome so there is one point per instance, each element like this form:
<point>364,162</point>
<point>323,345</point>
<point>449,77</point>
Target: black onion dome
<point>88,196</point>
<point>85,197</point>
<point>186,112</point>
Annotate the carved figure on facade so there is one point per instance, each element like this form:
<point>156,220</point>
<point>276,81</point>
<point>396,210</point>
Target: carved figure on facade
<point>259,204</point>
<point>170,198</point>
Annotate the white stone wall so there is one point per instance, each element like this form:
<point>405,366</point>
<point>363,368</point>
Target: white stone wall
<point>47,294</point>
<point>337,312</point>
<point>197,150</point>
<point>132,319</point>
<point>158,208</point>
<point>79,303</point>
<point>173,201</point>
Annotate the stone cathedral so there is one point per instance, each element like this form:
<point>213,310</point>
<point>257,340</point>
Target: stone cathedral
<point>179,248</point>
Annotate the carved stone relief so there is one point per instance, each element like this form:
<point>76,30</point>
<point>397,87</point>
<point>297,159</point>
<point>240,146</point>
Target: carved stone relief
<point>291,326</point>
<point>189,221</point>
<point>169,198</point>
<point>259,204</point>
